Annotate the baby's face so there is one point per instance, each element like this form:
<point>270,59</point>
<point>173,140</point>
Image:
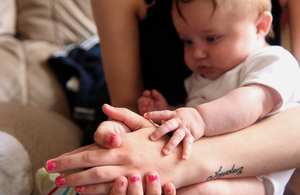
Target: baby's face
<point>215,40</point>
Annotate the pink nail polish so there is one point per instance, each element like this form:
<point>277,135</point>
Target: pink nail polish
<point>121,184</point>
<point>50,165</point>
<point>134,179</point>
<point>152,177</point>
<point>79,189</point>
<point>111,139</point>
<point>169,191</point>
<point>60,181</point>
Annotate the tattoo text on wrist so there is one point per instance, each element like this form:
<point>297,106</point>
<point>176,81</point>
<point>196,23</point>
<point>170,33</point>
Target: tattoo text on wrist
<point>220,174</point>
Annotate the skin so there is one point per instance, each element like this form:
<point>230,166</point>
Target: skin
<point>215,41</point>
<point>121,24</point>
<point>133,185</point>
<point>120,45</point>
<point>227,150</point>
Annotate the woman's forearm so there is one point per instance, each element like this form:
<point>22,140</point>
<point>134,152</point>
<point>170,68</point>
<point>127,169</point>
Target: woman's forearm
<point>268,146</point>
<point>294,21</point>
<point>118,28</point>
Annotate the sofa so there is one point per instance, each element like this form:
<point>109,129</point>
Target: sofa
<point>35,121</point>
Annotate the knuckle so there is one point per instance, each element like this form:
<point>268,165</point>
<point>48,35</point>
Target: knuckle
<point>89,157</point>
<point>189,142</point>
<point>63,162</point>
<point>168,125</point>
<point>98,175</point>
<point>178,135</point>
<point>165,112</point>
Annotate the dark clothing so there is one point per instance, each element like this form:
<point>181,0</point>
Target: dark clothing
<point>162,54</point>
<point>276,12</point>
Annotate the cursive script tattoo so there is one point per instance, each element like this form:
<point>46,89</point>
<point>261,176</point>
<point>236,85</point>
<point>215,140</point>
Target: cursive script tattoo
<point>220,174</point>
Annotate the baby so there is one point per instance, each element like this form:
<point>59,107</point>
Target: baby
<point>237,77</point>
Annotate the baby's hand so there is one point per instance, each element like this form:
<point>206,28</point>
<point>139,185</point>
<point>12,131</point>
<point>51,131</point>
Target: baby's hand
<point>187,124</point>
<point>151,101</point>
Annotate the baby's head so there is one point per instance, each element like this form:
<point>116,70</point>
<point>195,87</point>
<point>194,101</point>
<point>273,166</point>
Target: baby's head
<point>220,34</point>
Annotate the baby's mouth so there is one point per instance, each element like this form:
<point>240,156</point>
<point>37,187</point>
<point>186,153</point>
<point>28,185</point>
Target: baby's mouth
<point>205,69</point>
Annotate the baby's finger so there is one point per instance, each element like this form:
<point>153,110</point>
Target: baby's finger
<point>152,183</point>
<point>161,115</point>
<point>147,93</point>
<point>165,128</point>
<point>155,94</point>
<point>187,146</point>
<point>174,141</point>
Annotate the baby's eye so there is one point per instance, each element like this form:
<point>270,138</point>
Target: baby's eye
<point>211,39</point>
<point>188,42</point>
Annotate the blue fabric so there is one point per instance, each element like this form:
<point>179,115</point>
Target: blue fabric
<point>84,63</point>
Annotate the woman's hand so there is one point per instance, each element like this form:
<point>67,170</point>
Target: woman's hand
<point>135,154</point>
<point>133,185</point>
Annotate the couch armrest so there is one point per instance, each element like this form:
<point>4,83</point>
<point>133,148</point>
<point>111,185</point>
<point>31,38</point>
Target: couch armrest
<point>59,22</point>
<point>8,17</point>
<point>25,76</point>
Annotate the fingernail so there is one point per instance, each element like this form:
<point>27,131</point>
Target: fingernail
<point>50,165</point>
<point>185,157</point>
<point>111,139</point>
<point>152,177</point>
<point>121,184</point>
<point>169,191</point>
<point>134,179</point>
<point>60,181</point>
<point>152,137</point>
<point>166,151</point>
<point>79,189</point>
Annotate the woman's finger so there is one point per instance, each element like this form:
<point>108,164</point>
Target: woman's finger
<point>120,186</point>
<point>169,189</point>
<point>108,134</point>
<point>92,176</point>
<point>153,186</point>
<point>132,120</point>
<point>135,186</point>
<point>84,159</point>
<point>104,188</point>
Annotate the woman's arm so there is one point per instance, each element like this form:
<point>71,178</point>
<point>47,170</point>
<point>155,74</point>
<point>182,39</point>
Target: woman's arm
<point>118,28</point>
<point>268,146</point>
<point>293,7</point>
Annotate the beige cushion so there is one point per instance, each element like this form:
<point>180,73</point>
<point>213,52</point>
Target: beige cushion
<point>55,21</point>
<point>12,70</point>
<point>44,90</point>
<point>8,17</point>
<point>25,76</point>
<point>43,134</point>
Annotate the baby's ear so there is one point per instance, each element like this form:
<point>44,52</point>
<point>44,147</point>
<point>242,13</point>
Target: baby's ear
<point>264,23</point>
